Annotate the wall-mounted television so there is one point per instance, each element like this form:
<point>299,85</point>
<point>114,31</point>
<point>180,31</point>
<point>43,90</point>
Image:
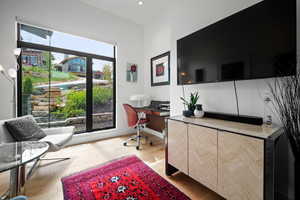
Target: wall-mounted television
<point>258,42</point>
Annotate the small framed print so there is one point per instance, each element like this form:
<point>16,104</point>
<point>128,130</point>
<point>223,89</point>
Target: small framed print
<point>160,70</point>
<point>131,72</point>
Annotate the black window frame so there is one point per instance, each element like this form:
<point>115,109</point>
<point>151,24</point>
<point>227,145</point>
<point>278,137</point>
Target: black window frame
<point>89,78</point>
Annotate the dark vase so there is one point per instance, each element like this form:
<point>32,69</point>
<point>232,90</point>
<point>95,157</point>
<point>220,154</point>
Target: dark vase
<point>297,178</point>
<point>192,109</point>
<point>296,152</point>
<point>187,113</point>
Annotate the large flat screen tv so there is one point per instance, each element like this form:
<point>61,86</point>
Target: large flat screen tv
<point>258,42</point>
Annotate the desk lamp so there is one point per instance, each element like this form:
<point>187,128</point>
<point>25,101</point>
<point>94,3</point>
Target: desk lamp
<point>139,100</point>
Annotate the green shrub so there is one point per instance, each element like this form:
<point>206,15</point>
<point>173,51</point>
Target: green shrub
<point>34,69</point>
<point>76,101</point>
<point>27,89</point>
<point>101,95</point>
<point>67,112</point>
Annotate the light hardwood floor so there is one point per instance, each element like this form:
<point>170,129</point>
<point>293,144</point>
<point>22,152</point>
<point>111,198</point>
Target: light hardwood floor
<point>45,184</point>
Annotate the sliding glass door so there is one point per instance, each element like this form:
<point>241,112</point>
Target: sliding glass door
<point>35,84</point>
<point>65,87</point>
<point>68,91</point>
<point>103,94</point>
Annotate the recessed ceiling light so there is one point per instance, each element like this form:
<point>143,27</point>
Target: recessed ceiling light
<point>140,3</point>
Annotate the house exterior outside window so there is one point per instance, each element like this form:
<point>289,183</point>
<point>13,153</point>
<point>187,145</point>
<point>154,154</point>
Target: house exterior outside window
<point>32,58</point>
<point>75,65</point>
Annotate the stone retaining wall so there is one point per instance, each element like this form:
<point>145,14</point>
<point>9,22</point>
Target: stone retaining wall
<point>97,118</point>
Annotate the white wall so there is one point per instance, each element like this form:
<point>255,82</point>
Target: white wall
<point>157,40</point>
<point>192,16</point>
<point>217,97</point>
<point>188,17</point>
<point>79,19</point>
<point>181,20</point>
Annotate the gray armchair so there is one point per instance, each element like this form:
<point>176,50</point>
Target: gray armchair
<point>57,138</point>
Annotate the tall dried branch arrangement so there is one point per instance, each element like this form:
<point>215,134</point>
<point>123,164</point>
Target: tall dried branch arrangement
<point>286,100</point>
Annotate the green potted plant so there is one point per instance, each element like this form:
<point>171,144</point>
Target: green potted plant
<point>190,104</point>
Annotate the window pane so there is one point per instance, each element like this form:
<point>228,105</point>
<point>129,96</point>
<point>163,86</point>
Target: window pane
<point>68,91</point>
<point>54,84</point>
<point>102,94</point>
<point>66,41</point>
<point>35,82</point>
<point>35,35</point>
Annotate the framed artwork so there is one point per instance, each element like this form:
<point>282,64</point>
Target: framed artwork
<point>131,72</point>
<point>160,70</point>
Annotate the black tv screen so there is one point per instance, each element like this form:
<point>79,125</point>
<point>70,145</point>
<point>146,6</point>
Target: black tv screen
<point>258,42</point>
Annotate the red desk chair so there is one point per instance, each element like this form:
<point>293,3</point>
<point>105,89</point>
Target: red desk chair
<point>135,120</point>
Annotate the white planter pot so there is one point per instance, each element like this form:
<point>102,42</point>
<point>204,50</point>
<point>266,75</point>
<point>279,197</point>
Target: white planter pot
<point>198,113</point>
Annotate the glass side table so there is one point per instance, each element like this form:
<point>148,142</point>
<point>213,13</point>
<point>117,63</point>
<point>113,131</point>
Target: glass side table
<point>14,157</point>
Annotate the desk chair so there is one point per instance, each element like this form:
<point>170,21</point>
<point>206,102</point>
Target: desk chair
<point>135,120</point>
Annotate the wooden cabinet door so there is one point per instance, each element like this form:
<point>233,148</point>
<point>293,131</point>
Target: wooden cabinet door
<point>203,155</point>
<point>177,145</point>
<point>240,170</point>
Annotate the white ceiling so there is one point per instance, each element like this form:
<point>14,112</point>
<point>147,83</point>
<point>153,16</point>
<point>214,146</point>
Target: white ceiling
<point>130,9</point>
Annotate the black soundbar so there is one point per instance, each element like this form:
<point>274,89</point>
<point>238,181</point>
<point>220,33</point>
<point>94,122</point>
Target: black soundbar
<point>235,118</point>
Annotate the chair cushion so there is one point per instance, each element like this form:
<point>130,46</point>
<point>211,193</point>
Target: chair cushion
<point>57,141</point>
<point>5,136</point>
<point>25,129</point>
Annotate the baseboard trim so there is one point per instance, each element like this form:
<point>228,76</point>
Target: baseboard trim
<point>98,135</point>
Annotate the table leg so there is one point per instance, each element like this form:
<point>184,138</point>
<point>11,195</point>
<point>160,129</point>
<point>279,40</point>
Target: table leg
<point>14,187</point>
<point>22,179</point>
<point>17,182</point>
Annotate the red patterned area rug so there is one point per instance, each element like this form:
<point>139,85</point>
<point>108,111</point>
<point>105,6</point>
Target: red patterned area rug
<point>128,178</point>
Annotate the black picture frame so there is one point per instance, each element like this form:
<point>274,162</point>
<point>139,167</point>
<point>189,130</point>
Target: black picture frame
<point>167,54</point>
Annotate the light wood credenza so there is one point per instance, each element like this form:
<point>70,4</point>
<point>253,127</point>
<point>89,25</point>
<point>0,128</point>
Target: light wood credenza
<point>233,159</point>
